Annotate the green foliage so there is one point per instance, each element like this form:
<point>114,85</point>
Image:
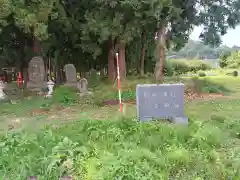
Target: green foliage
<point>66,32</point>
<point>65,95</point>
<point>201,74</point>
<point>197,48</point>
<point>108,149</point>
<point>179,66</point>
<point>183,66</point>
<point>235,73</point>
<point>232,73</point>
<point>230,60</point>
<point>94,79</point>
<point>168,68</point>
<point>233,65</point>
<point>206,85</point>
<point>223,60</point>
<point>196,65</point>
<point>233,60</point>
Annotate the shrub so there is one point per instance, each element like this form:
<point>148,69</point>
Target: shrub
<point>196,65</point>
<point>65,95</point>
<point>183,66</point>
<point>118,149</point>
<point>202,74</point>
<point>223,60</point>
<point>180,66</point>
<point>235,73</point>
<point>205,85</point>
<point>168,69</point>
<point>232,73</point>
<point>233,65</point>
<point>94,79</point>
<point>232,61</point>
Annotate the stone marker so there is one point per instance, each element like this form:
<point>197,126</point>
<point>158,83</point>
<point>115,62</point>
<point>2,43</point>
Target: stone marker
<point>71,75</point>
<point>32,178</point>
<point>2,94</point>
<point>66,178</point>
<point>161,101</point>
<point>50,85</point>
<point>82,85</point>
<point>36,73</point>
<point>93,78</point>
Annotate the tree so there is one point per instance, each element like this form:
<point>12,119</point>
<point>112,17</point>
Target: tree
<point>88,33</point>
<point>215,16</point>
<point>223,60</point>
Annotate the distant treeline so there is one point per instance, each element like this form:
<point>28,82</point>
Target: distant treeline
<point>197,50</point>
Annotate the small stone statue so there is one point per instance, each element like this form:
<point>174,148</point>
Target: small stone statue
<point>82,86</point>
<point>50,85</point>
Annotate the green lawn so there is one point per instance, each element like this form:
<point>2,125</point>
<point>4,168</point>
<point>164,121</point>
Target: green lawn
<point>97,143</point>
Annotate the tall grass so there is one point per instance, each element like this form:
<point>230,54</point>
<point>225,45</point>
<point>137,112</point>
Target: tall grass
<point>125,149</point>
<point>182,66</point>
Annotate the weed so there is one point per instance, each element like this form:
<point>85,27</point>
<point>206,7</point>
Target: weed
<point>65,95</point>
<point>201,74</point>
<point>109,150</point>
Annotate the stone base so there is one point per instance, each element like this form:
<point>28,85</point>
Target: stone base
<point>175,120</point>
<point>48,96</point>
<point>36,86</point>
<point>4,99</point>
<point>85,93</point>
<point>72,84</point>
<point>179,120</point>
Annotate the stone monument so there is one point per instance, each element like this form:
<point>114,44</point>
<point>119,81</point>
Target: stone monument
<point>36,73</point>
<point>94,78</point>
<point>71,75</point>
<point>161,101</point>
<point>82,85</point>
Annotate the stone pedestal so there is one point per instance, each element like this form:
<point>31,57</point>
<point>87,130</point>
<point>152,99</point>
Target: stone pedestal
<point>2,94</point>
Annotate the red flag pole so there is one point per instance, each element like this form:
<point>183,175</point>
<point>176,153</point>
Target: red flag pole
<point>119,85</point>
<point>19,79</point>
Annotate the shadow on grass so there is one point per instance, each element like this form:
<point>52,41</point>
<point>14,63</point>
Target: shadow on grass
<point>22,106</point>
<point>196,84</point>
<point>205,85</point>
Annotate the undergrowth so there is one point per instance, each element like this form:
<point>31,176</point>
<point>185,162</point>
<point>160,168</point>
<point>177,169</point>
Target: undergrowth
<point>205,85</point>
<point>65,95</point>
<point>124,149</point>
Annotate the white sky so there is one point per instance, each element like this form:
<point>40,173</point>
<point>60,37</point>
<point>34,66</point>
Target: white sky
<point>230,39</point>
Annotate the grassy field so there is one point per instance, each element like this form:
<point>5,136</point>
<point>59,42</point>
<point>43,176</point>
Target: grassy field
<point>55,138</point>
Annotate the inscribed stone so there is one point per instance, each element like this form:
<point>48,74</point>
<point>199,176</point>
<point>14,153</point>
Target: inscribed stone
<point>160,101</point>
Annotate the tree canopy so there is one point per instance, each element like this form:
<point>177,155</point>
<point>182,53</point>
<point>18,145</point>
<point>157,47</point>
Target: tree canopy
<point>88,33</point>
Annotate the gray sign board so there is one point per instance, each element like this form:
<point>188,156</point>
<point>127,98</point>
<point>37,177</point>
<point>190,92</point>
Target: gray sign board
<point>160,101</point>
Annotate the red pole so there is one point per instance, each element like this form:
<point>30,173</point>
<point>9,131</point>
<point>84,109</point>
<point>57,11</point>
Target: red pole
<point>19,79</point>
<point>119,85</point>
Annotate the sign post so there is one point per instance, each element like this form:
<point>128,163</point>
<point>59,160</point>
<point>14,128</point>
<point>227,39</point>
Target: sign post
<point>119,85</point>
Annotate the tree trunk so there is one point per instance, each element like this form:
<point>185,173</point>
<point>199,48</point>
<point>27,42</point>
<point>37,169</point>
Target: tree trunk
<point>161,54</point>
<point>24,70</point>
<point>25,77</point>
<point>122,61</point>
<point>142,61</point>
<point>111,65</point>
<point>55,73</point>
<point>58,75</point>
<point>102,73</point>
<point>46,71</point>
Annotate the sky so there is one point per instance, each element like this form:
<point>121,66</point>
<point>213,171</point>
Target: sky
<point>230,39</point>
